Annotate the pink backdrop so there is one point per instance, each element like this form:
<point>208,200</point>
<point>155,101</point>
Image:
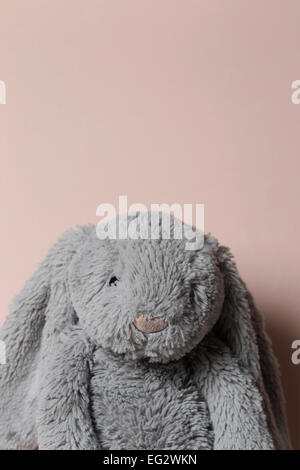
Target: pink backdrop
<point>166,101</point>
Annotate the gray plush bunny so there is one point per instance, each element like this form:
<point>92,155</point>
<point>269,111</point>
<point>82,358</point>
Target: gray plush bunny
<point>122,344</point>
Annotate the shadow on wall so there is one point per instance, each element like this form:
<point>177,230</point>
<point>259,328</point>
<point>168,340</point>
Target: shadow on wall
<point>282,336</point>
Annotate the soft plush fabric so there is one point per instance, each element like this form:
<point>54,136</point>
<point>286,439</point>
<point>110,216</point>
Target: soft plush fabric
<point>122,344</point>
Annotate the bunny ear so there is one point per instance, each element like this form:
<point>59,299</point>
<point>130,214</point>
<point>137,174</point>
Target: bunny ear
<point>241,327</point>
<point>21,336</point>
<point>39,310</point>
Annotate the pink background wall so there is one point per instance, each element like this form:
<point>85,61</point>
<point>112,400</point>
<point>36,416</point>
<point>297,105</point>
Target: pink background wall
<point>166,101</point>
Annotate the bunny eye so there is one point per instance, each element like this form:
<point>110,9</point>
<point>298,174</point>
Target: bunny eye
<point>113,281</point>
<point>193,293</point>
<point>192,296</point>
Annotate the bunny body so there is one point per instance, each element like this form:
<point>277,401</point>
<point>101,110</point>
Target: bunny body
<point>138,345</point>
<point>148,406</point>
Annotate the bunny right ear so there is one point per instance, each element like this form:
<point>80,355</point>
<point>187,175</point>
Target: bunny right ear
<point>241,328</point>
<point>43,297</point>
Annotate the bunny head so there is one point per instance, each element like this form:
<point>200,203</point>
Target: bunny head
<point>146,298</point>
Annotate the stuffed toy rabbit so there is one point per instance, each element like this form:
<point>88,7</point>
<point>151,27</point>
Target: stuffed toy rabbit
<point>138,344</point>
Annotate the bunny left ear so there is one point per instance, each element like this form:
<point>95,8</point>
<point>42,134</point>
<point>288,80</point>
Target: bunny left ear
<point>241,327</point>
<point>40,311</point>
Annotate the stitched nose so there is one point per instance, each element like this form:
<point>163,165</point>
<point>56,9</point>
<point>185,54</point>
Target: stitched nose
<point>149,325</point>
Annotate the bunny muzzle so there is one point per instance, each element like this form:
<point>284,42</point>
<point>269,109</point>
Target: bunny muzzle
<point>149,325</point>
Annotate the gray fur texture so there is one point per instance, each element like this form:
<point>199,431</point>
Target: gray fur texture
<point>80,375</point>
